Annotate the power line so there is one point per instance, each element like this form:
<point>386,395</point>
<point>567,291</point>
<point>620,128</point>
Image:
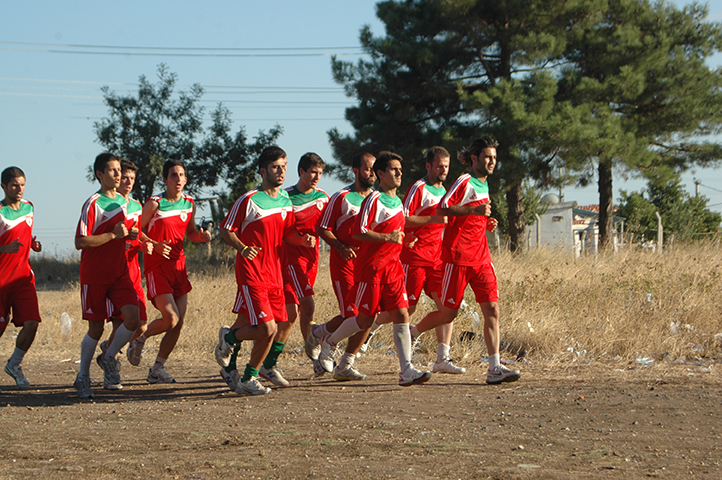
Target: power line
<point>210,49</point>
<point>197,55</point>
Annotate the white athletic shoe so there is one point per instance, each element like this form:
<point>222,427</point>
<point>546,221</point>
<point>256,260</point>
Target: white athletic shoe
<point>82,384</point>
<point>17,373</point>
<point>224,349</point>
<point>252,387</point>
<point>325,356</point>
<point>274,376</point>
<point>134,352</point>
<point>111,373</point>
<point>364,348</point>
<point>313,341</point>
<point>501,374</point>
<point>159,375</point>
<point>348,374</point>
<point>447,366</point>
<point>413,377</point>
<point>416,341</point>
<point>232,379</point>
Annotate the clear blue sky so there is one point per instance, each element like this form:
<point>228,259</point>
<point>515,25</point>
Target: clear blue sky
<point>50,98</point>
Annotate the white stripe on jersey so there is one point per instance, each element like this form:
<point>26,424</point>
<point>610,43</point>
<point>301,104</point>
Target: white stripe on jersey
<point>452,190</point>
<point>337,197</point>
<point>411,194</point>
<point>231,218</point>
<point>367,209</point>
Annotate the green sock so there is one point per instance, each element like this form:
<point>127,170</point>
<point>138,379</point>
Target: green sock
<point>234,356</point>
<point>248,373</point>
<point>231,337</point>
<point>272,357</point>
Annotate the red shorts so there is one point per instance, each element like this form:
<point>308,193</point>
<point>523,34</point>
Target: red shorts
<point>141,302</point>
<point>456,277</point>
<point>23,301</point>
<point>100,301</point>
<point>422,277</point>
<point>297,283</point>
<point>342,281</point>
<point>372,298</point>
<point>168,277</point>
<point>261,304</point>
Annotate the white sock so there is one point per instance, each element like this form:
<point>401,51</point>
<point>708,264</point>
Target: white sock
<point>347,360</point>
<point>374,327</point>
<point>87,352</point>
<point>494,361</point>
<point>324,330</point>
<point>442,351</point>
<point>141,339</point>
<point>121,338</point>
<point>414,332</point>
<point>402,340</point>
<point>159,362</point>
<point>347,328</point>
<point>16,358</point>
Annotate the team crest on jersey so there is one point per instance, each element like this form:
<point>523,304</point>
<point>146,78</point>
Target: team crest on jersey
<point>319,204</point>
<point>184,216</point>
<point>283,214</point>
<point>29,220</point>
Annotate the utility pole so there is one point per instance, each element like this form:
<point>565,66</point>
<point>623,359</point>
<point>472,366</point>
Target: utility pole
<point>696,187</point>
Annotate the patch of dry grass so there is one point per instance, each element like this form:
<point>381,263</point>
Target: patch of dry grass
<point>559,309</point>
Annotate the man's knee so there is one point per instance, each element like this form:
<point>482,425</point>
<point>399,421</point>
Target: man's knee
<point>31,326</point>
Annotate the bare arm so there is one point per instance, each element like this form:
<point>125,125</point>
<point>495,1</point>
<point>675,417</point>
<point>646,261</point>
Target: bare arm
<point>298,240</point>
<point>347,252</point>
<point>195,235</point>
<point>461,211</point>
<point>91,241</point>
<point>11,247</point>
<point>397,236</point>
<point>232,239</point>
<point>419,221</point>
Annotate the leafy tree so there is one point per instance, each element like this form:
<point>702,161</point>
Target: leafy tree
<point>653,102</point>
<point>153,126</point>
<point>682,215</point>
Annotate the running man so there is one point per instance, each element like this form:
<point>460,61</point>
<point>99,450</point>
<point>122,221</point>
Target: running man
<point>422,260</point>
<point>258,225</point>
<point>466,256</point>
<point>17,280</point>
<point>105,283</point>
<point>379,285</point>
<point>335,228</point>
<point>300,264</point>
<point>167,219</point>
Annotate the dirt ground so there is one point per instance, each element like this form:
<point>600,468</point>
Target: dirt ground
<point>581,422</point>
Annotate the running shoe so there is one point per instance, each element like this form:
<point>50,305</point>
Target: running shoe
<point>111,374</point>
<point>348,374</point>
<point>313,341</point>
<point>224,349</point>
<point>134,352</point>
<point>274,376</point>
<point>447,366</point>
<point>232,379</point>
<point>159,375</point>
<point>17,373</point>
<point>364,348</point>
<point>413,377</point>
<point>502,374</point>
<point>252,387</point>
<point>82,384</point>
<point>325,356</point>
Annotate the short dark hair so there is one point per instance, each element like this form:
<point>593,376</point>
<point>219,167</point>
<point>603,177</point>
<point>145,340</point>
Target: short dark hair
<point>102,160</point>
<point>10,173</point>
<point>126,164</point>
<point>358,158</point>
<point>431,154</point>
<point>383,159</point>
<point>309,160</point>
<point>269,155</point>
<point>475,148</point>
<point>170,163</point>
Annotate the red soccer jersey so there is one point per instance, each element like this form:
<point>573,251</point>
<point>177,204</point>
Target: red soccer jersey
<point>260,220</point>
<point>379,261</point>
<point>16,225</point>
<point>169,223</point>
<point>103,265</point>
<point>339,216</point>
<point>307,209</point>
<point>465,237</point>
<point>422,199</point>
<point>134,212</point>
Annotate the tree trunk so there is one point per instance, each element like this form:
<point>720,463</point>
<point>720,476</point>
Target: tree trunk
<point>515,215</point>
<point>606,204</point>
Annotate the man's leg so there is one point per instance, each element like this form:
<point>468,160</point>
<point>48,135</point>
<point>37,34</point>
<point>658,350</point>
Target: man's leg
<point>157,373</point>
<point>22,345</point>
<point>170,318</point>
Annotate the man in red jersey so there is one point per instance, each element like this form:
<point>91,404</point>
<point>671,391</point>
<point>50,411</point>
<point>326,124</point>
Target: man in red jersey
<point>132,247</point>
<point>300,264</point>
<point>257,226</point>
<point>422,258</point>
<point>379,286</point>
<point>105,282</point>
<point>167,218</point>
<point>17,281</point>
<point>335,228</point>
<point>466,256</point>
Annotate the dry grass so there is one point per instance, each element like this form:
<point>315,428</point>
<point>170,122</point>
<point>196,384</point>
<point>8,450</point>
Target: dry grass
<point>566,311</point>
